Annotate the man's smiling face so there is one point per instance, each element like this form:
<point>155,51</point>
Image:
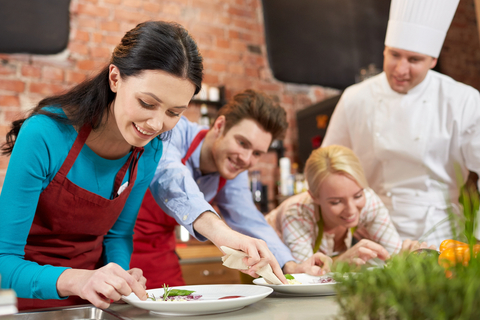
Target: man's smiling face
<point>240,148</point>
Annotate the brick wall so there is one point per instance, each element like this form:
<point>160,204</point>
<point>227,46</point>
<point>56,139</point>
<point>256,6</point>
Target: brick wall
<point>229,34</point>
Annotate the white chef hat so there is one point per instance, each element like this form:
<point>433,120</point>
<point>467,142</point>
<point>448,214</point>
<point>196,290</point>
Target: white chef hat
<point>419,25</point>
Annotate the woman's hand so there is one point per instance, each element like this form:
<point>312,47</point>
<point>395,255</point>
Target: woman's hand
<point>317,265</point>
<point>103,285</point>
<point>214,229</point>
<point>409,246</point>
<point>363,251</point>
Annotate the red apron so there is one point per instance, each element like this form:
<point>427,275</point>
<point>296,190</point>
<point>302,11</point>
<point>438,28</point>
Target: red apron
<point>154,238</point>
<point>70,222</point>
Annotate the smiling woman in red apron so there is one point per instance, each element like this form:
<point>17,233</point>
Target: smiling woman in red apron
<point>80,165</point>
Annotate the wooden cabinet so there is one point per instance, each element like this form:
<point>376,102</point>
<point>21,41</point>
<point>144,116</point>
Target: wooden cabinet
<point>202,264</point>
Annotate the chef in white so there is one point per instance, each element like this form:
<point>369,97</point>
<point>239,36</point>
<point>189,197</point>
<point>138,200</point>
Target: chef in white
<point>410,126</point>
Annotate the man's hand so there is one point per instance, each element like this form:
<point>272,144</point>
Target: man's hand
<point>363,251</point>
<point>214,229</point>
<point>317,265</point>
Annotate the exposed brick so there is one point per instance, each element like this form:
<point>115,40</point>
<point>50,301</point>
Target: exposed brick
<point>87,65</point>
<point>81,36</point>
<point>4,164</point>
<point>53,73</point>
<point>113,1</point>
<point>130,16</point>
<point>31,71</point>
<point>45,89</point>
<point>78,48</point>
<point>152,7</point>
<point>113,40</point>
<point>74,77</point>
<point>133,3</point>
<point>100,52</point>
<point>97,37</point>
<point>10,116</point>
<point>110,26</point>
<point>7,69</point>
<point>12,85</point>
<point>86,22</point>
<point>9,101</point>
<point>93,10</point>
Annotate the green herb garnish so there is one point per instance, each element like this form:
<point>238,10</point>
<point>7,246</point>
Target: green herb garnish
<point>151,297</point>
<point>289,276</point>
<point>176,292</point>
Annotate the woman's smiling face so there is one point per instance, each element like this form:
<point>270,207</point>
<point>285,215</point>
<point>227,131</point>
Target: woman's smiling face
<point>148,104</point>
<point>341,200</point>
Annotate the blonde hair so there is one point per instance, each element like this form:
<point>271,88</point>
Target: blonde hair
<point>329,160</point>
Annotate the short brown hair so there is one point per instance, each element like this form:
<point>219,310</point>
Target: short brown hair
<point>257,106</point>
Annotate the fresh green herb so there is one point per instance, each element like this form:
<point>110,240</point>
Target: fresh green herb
<point>166,292</point>
<point>289,276</point>
<point>415,286</point>
<point>176,292</point>
<point>151,297</point>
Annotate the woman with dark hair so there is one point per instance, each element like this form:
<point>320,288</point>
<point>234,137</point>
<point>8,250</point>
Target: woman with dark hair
<point>79,168</point>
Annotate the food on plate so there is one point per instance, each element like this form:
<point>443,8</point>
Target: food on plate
<point>230,297</point>
<point>325,279</point>
<point>175,295</point>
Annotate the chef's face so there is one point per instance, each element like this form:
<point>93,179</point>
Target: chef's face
<point>148,104</point>
<point>405,69</point>
<point>239,148</point>
<point>341,200</point>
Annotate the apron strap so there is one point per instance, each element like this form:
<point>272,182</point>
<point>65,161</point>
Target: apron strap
<point>193,146</point>
<point>131,163</point>
<point>75,151</point>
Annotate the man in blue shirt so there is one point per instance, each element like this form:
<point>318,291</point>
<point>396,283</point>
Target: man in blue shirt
<point>203,166</point>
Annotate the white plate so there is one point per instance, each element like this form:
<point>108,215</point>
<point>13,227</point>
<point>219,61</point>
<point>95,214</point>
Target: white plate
<point>207,304</point>
<point>309,287</point>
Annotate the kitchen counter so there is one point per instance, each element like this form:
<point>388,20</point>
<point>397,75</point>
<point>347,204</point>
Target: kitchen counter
<point>274,307</point>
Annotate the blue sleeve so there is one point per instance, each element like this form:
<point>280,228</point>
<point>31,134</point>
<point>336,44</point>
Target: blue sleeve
<point>173,186</point>
<point>29,166</point>
<point>118,243</point>
<point>237,208</point>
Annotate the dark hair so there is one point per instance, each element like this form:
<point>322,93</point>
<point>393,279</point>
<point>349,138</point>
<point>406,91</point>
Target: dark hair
<point>151,45</point>
<point>257,106</point>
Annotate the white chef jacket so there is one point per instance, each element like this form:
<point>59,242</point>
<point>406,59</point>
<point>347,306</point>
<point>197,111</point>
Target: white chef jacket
<point>409,144</point>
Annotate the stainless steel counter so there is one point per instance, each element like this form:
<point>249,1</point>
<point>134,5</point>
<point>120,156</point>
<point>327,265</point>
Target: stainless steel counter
<point>274,307</point>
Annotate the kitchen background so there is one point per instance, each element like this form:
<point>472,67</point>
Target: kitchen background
<point>230,35</point>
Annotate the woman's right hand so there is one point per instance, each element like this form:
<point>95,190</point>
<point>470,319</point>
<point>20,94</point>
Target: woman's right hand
<point>363,251</point>
<point>103,285</point>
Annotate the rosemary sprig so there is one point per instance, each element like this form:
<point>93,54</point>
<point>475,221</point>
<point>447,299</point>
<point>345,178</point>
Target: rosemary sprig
<point>166,291</point>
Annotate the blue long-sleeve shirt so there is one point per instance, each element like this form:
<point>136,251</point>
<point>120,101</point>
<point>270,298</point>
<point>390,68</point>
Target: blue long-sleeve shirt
<point>39,152</point>
<point>184,193</point>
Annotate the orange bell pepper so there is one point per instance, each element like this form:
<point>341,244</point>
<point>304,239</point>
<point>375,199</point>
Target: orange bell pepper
<point>450,243</point>
<point>467,255</point>
<point>457,254</point>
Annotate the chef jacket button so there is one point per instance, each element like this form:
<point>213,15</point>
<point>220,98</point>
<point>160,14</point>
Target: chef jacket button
<point>198,181</point>
<point>166,200</point>
<point>389,194</point>
<point>185,217</point>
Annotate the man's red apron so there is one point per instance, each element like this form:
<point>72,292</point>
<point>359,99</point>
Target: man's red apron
<point>70,222</point>
<point>154,239</point>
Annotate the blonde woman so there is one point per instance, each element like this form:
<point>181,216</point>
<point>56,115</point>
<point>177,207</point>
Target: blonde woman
<point>339,215</point>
